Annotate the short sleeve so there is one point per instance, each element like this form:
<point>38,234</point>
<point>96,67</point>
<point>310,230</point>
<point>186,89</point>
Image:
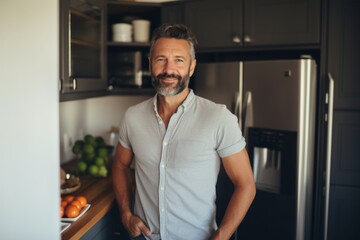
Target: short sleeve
<point>229,136</point>
<point>123,132</point>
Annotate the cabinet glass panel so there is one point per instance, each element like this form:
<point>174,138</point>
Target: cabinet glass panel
<point>84,39</point>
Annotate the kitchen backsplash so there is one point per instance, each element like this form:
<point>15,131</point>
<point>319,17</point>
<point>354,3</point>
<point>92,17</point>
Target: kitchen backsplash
<point>94,116</point>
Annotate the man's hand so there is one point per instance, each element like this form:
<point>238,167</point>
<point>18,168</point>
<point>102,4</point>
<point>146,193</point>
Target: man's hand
<point>135,226</point>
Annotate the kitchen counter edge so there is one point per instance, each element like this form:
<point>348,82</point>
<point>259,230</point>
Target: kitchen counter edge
<point>101,197</point>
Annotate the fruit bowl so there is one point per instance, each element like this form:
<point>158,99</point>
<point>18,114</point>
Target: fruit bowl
<point>72,183</point>
<point>92,156</point>
<point>82,212</point>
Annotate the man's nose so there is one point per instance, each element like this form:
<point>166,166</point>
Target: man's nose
<point>169,67</point>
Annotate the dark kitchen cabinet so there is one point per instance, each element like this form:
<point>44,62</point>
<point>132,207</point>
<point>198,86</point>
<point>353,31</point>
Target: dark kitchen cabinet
<point>342,60</point>
<point>82,51</point>
<point>215,23</point>
<point>345,163</point>
<point>172,12</point>
<point>344,213</point>
<point>344,52</point>
<point>89,59</point>
<point>281,22</point>
<point>108,227</point>
<point>233,23</point>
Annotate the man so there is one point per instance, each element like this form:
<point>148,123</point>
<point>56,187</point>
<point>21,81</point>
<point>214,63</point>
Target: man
<point>176,142</point>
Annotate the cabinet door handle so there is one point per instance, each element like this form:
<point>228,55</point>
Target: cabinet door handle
<point>329,118</point>
<point>236,39</point>
<point>247,39</point>
<point>72,84</point>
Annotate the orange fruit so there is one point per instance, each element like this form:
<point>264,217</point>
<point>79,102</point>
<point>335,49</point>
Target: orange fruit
<point>69,198</point>
<point>61,212</point>
<point>63,203</point>
<point>71,211</point>
<point>82,200</point>
<point>77,204</point>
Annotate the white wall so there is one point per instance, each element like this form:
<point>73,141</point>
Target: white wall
<point>29,119</point>
<point>91,116</point>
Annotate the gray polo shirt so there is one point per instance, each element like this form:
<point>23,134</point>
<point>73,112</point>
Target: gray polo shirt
<point>176,168</point>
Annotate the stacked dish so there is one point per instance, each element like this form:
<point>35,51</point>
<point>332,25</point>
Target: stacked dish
<point>122,32</point>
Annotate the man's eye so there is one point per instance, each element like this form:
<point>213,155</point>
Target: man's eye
<point>160,60</point>
<point>179,60</point>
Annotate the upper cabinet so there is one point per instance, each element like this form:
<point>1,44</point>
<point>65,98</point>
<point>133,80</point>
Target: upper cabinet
<point>343,52</point>
<point>82,51</point>
<point>172,12</point>
<point>239,23</point>
<point>215,23</point>
<point>94,63</point>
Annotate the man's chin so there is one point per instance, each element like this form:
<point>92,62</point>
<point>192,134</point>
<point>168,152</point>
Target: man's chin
<point>167,93</point>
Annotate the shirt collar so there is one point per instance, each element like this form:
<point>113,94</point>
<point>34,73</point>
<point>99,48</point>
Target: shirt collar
<point>188,100</point>
<point>185,105</point>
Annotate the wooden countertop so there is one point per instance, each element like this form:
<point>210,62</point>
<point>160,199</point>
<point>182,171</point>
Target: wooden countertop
<point>100,195</point>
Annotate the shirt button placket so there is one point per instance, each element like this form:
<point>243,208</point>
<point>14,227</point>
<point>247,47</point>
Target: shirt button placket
<point>162,206</point>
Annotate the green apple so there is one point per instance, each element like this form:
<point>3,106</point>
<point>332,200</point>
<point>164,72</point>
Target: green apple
<point>88,149</point>
<point>89,158</point>
<point>81,166</point>
<point>102,152</point>
<point>99,161</point>
<point>103,171</point>
<point>89,139</point>
<point>100,142</point>
<point>93,170</point>
<point>78,147</point>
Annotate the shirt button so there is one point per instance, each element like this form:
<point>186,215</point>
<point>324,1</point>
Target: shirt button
<point>162,188</point>
<point>163,210</point>
<point>160,122</point>
<point>162,165</point>
<point>165,143</point>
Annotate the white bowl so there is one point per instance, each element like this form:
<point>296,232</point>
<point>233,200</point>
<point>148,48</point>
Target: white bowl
<point>122,27</point>
<point>122,37</point>
<point>122,32</point>
<point>141,30</point>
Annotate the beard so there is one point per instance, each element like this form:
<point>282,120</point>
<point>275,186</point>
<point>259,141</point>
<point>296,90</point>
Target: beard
<point>170,89</point>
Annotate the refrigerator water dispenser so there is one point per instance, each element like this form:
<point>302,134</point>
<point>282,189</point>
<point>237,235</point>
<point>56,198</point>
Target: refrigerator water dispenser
<point>273,157</point>
<point>267,169</point>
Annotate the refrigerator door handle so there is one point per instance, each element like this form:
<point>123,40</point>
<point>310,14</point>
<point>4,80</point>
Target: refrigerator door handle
<point>329,100</point>
<point>237,110</point>
<point>246,116</point>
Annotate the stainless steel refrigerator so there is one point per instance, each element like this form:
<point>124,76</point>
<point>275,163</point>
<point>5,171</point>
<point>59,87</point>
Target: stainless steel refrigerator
<point>275,105</point>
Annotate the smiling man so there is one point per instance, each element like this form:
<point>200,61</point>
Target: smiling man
<point>176,142</point>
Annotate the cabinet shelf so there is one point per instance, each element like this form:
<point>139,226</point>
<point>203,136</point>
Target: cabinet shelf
<point>129,44</point>
<point>85,43</point>
<point>77,13</point>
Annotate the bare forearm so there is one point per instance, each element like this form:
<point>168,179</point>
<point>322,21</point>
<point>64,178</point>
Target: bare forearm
<point>235,212</point>
<point>123,185</point>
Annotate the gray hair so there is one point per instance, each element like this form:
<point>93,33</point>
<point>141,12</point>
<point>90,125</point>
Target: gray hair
<point>177,31</point>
